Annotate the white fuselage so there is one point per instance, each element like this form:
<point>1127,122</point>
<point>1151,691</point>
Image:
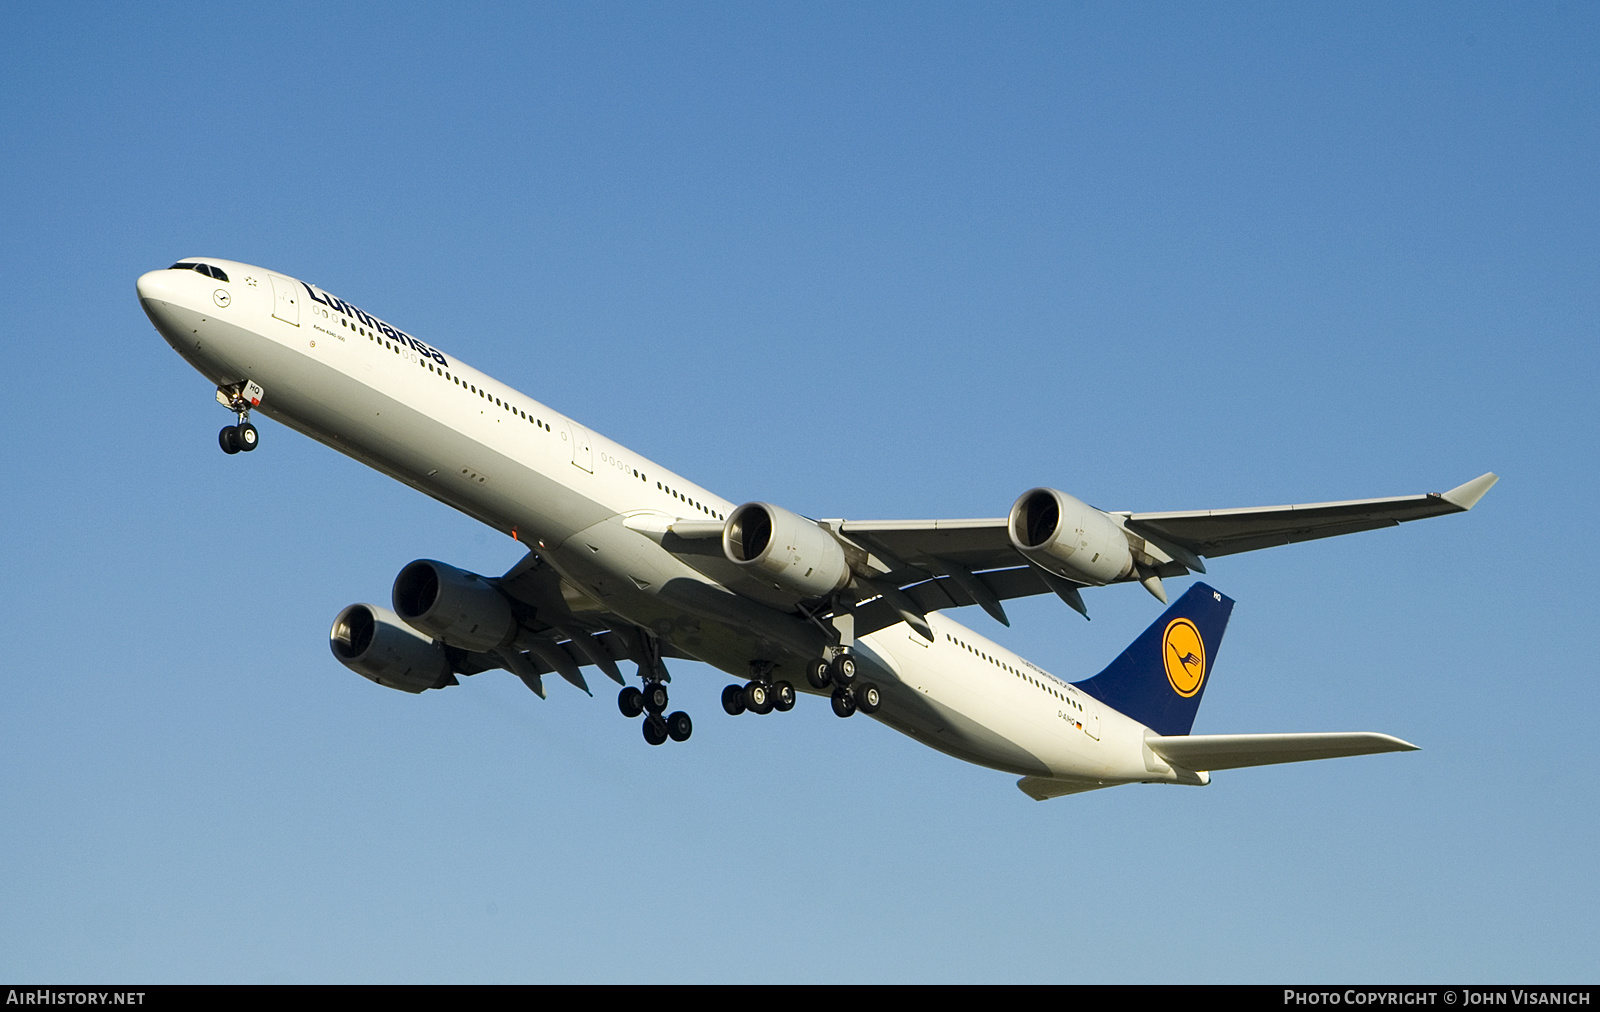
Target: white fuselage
<point>597,513</point>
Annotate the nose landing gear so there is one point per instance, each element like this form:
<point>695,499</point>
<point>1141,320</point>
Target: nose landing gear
<point>241,438</point>
<point>239,398</point>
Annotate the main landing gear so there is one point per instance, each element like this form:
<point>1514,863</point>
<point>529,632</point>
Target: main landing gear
<point>759,695</point>
<point>652,702</point>
<point>848,694</point>
<point>239,398</point>
<point>763,695</point>
<point>837,668</point>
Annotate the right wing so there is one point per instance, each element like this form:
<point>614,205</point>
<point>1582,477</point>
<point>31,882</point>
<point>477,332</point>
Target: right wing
<point>559,641</point>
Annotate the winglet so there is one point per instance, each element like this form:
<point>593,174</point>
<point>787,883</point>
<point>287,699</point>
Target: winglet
<point>1467,496</point>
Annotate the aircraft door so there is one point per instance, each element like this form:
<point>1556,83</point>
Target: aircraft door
<point>285,300</point>
<point>582,446</point>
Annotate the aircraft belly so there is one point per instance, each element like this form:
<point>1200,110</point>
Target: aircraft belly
<point>636,578</point>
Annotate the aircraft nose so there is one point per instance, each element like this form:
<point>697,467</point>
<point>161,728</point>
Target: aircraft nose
<point>155,286</point>
<point>160,295</point>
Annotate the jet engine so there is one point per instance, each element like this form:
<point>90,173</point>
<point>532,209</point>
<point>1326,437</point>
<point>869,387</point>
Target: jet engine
<point>1069,538</point>
<point>375,644</point>
<point>786,549</point>
<point>455,606</point>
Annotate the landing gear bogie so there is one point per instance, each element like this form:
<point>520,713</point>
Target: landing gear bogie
<point>758,696</point>
<point>651,700</point>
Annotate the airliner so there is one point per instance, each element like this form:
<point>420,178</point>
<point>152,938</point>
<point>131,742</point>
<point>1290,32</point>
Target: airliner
<point>630,562</point>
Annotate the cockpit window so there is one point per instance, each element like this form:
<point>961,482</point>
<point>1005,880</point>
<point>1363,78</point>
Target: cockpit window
<point>206,269</point>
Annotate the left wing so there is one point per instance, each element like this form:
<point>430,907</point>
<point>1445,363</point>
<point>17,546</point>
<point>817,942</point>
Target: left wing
<point>952,563</point>
<point>1224,532</point>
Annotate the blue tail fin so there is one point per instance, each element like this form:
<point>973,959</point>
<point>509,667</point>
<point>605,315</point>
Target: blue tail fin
<point>1160,678</point>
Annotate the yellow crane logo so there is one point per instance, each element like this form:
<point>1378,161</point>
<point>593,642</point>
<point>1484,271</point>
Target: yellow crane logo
<point>1184,653</point>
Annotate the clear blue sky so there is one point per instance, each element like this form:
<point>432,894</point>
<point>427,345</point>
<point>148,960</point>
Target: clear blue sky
<point>868,261</point>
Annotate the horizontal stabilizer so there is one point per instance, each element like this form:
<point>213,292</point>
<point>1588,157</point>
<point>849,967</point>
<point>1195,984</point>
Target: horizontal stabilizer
<point>1234,751</point>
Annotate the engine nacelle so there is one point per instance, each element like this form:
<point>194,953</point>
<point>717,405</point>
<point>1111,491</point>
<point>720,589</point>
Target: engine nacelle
<point>454,605</point>
<point>1069,537</point>
<point>375,644</point>
<point>786,549</point>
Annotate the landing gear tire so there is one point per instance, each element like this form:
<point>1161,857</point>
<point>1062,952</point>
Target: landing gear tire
<point>655,697</point>
<point>228,440</point>
<point>843,670</point>
<point>679,726</point>
<point>246,437</point>
<point>655,729</point>
<point>757,698</point>
<point>782,697</point>
<point>733,700</point>
<point>630,701</point>
<point>868,698</point>
<point>844,703</point>
<point>817,674</point>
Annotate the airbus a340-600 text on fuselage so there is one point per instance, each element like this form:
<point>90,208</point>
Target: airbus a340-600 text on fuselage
<point>629,562</point>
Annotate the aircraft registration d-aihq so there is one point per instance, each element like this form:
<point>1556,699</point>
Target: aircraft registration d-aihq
<point>629,562</point>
